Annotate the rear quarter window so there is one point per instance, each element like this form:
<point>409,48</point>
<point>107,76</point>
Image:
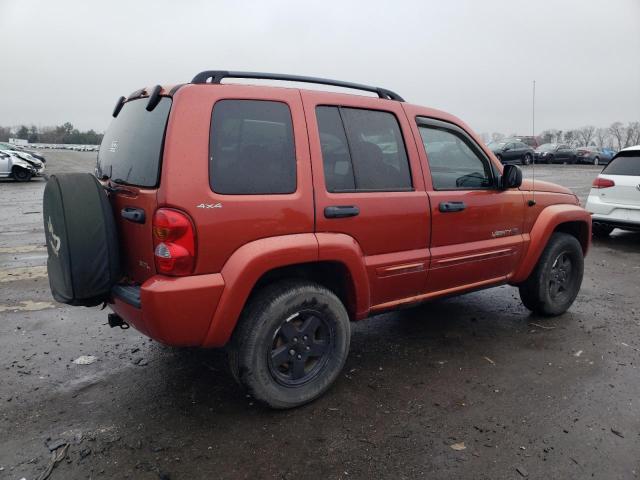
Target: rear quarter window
<point>251,148</point>
<point>624,165</point>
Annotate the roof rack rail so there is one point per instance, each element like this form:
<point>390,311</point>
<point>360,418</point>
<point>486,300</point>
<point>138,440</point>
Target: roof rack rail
<point>216,76</point>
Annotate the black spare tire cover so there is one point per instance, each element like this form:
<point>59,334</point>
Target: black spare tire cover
<point>82,240</point>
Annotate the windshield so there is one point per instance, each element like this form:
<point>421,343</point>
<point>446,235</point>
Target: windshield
<point>497,145</point>
<point>131,149</point>
<point>547,147</point>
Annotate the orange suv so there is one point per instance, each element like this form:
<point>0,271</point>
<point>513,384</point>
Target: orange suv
<point>265,219</point>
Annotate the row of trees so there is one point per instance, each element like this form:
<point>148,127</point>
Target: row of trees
<point>60,134</point>
<point>617,136</point>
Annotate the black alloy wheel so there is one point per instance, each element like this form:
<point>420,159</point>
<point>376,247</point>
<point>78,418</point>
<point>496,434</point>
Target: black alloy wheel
<point>301,347</point>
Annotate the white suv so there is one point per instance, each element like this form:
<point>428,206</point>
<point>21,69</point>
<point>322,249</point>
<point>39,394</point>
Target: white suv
<point>614,200</point>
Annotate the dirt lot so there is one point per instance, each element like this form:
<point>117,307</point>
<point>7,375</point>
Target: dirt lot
<point>529,397</point>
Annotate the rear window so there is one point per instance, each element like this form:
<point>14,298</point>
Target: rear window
<point>252,149</point>
<point>131,149</point>
<point>627,165</point>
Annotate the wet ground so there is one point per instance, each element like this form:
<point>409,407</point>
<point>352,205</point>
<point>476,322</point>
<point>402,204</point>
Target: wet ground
<point>471,387</point>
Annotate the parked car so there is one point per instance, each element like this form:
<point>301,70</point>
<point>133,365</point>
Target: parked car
<point>614,199</point>
<point>19,165</point>
<point>555,153</point>
<point>592,155</point>
<point>9,146</point>
<point>533,142</point>
<point>511,151</point>
<point>205,191</point>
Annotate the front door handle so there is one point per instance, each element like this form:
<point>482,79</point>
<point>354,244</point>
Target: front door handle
<point>452,206</point>
<point>341,211</point>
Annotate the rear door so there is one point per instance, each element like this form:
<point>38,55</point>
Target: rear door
<point>511,152</point>
<point>368,184</point>
<point>476,228</point>
<point>129,159</point>
<point>563,153</point>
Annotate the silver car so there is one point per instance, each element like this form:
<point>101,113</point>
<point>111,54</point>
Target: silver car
<point>20,166</point>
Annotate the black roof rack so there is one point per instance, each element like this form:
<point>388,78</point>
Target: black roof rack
<point>216,76</point>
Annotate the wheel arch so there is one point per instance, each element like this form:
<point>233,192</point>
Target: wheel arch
<point>570,219</point>
<point>332,261</point>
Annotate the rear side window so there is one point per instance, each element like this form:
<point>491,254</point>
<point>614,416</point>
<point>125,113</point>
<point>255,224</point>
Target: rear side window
<point>362,150</point>
<point>131,149</point>
<point>626,165</point>
<point>251,148</point>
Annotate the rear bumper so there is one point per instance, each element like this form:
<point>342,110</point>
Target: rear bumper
<point>614,214</point>
<point>172,310</point>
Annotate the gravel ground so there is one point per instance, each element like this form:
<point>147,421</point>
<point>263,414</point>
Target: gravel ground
<point>471,387</point>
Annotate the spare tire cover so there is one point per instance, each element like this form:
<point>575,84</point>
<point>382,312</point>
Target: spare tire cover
<point>82,241</point>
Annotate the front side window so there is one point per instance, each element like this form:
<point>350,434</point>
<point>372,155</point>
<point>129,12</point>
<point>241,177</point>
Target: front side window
<point>362,150</point>
<point>251,148</point>
<point>453,162</point>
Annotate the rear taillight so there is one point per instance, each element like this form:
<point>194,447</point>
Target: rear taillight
<point>174,242</point>
<point>603,183</point>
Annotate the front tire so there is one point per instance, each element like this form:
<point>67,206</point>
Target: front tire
<point>555,281</point>
<point>21,174</point>
<point>291,343</point>
<point>596,161</point>
<point>526,160</point>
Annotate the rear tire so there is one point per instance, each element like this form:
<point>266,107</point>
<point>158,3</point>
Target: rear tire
<point>600,230</point>
<point>555,281</point>
<point>526,160</point>
<point>596,161</point>
<point>290,344</point>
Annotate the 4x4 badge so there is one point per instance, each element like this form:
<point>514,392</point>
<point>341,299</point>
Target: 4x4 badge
<point>209,205</point>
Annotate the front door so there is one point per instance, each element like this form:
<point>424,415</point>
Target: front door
<point>368,184</point>
<point>476,237</point>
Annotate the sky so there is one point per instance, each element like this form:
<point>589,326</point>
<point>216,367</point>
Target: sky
<point>69,60</point>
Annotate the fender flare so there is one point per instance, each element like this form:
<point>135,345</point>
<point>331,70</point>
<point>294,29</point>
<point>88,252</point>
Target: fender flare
<point>245,267</point>
<point>344,249</point>
<point>547,222</point>
<point>250,262</point>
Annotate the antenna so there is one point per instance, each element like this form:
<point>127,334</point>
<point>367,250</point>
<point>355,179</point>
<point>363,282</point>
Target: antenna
<point>532,202</point>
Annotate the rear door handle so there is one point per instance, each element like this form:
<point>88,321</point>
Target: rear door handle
<point>135,215</point>
<point>452,206</point>
<point>341,211</point>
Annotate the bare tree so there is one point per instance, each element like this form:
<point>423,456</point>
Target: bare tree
<point>618,133</point>
<point>572,137</point>
<point>585,135</point>
<point>496,136</point>
<point>632,136</point>
<point>601,137</point>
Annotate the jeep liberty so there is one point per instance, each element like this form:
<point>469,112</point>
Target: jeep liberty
<point>265,219</point>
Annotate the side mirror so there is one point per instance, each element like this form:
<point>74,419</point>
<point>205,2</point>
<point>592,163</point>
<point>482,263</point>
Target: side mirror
<point>511,177</point>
